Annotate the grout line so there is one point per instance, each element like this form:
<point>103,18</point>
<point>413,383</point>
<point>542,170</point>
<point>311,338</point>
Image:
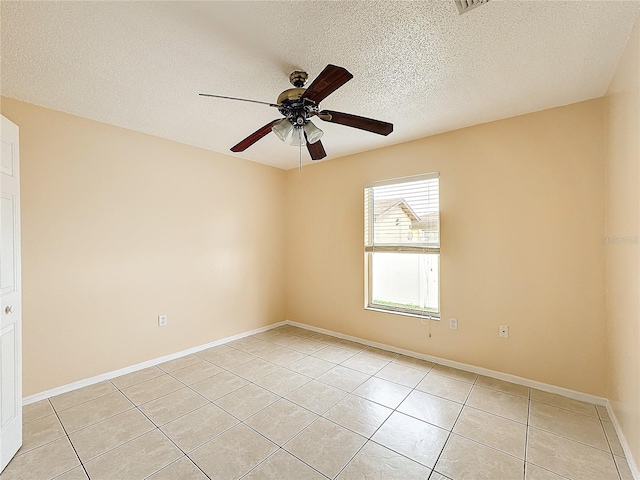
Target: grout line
<point>70,442</point>
<point>310,379</point>
<point>161,432</point>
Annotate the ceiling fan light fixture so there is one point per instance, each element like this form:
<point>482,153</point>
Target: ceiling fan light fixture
<point>313,133</point>
<point>282,129</point>
<point>296,137</point>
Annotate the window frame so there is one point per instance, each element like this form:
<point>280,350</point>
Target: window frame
<point>369,250</point>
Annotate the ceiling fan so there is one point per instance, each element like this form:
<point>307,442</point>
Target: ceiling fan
<point>299,104</point>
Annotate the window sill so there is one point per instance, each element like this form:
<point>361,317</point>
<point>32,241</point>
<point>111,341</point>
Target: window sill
<point>433,316</point>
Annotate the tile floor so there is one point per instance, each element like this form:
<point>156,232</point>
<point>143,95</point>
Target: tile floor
<point>292,404</point>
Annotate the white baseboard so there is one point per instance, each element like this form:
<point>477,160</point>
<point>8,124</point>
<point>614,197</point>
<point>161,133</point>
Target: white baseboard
<point>442,361</point>
<point>633,466</point>
<point>545,387</point>
<point>139,366</point>
<point>584,397</point>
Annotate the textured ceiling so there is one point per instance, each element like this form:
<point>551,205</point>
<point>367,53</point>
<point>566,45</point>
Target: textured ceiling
<point>419,65</point>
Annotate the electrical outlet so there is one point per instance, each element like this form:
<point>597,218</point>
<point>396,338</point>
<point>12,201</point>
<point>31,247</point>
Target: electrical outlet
<point>453,323</point>
<point>503,331</point>
<point>162,320</point>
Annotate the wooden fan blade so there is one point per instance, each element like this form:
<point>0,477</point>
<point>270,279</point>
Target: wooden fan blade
<point>254,137</point>
<point>329,80</point>
<point>316,150</point>
<point>363,123</point>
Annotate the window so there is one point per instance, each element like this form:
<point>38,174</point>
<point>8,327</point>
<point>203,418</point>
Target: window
<point>402,246</point>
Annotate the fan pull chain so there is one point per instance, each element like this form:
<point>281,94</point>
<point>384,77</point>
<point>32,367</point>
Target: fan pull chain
<point>300,157</point>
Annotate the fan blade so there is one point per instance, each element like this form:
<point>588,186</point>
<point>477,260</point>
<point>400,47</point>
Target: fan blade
<point>316,150</point>
<point>240,99</point>
<point>329,80</point>
<point>254,137</point>
<point>368,124</point>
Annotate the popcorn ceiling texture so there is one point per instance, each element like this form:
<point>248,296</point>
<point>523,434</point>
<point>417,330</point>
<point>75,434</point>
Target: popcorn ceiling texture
<point>420,65</point>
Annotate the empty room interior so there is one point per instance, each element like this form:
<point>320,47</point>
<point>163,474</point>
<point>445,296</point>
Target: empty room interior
<point>320,240</point>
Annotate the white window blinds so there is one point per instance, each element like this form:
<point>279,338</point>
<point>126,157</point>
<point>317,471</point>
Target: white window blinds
<point>403,215</point>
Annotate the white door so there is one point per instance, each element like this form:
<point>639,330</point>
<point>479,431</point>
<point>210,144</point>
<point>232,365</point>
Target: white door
<point>10,304</point>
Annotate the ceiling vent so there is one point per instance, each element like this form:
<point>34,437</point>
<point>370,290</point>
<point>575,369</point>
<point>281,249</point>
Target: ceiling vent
<point>465,5</point>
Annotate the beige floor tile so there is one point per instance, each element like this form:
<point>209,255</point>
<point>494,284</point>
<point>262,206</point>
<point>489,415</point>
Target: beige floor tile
<point>358,414</point>
<point>568,424</point>
<point>41,463</point>
<point>36,410</point>
<point>564,402</point>
<point>281,466</point>
<point>306,346</point>
<point>464,459</point>
<point>413,362</point>
<point>284,339</point>
<point>602,413</point>
<point>260,347</point>
<point>77,473</point>
<point>124,381</point>
<point>232,454</point>
<point>232,358</point>
<point>496,432</point>
<point>281,421</point>
<point>455,373</point>
<point>505,387</point>
<point>375,462</point>
<point>134,460</point>
<point>334,354</point>
<point>254,369</point>
<point>569,458</point>
<point>210,353</point>
<point>243,343</point>
<point>380,353</point>
<point>328,339</point>
<point>623,468</point>
<point>81,395</point>
<point>325,446</point>
<point>317,396</point>
<point>383,392</point>
<point>246,401</point>
<point>435,410</point>
<point>311,366</point>
<point>343,378</point>
<point>303,332</point>
<point>39,432</point>
<point>445,387</point>
<point>438,476</point>
<point>413,438</point>
<point>351,346</point>
<point>366,363</point>
<point>151,389</point>
<point>267,336</point>
<point>196,372</point>
<point>282,381</point>
<point>219,385</point>
<point>407,376</point>
<point>93,411</point>
<point>533,472</point>
<point>198,427</point>
<point>183,469</point>
<point>164,409</point>
<point>284,356</point>
<point>178,363</point>
<point>612,437</point>
<point>498,403</point>
<point>109,434</point>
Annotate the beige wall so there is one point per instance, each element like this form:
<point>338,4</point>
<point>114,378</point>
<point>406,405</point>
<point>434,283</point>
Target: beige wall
<point>522,205</point>
<point>622,259</point>
<point>118,227</point>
